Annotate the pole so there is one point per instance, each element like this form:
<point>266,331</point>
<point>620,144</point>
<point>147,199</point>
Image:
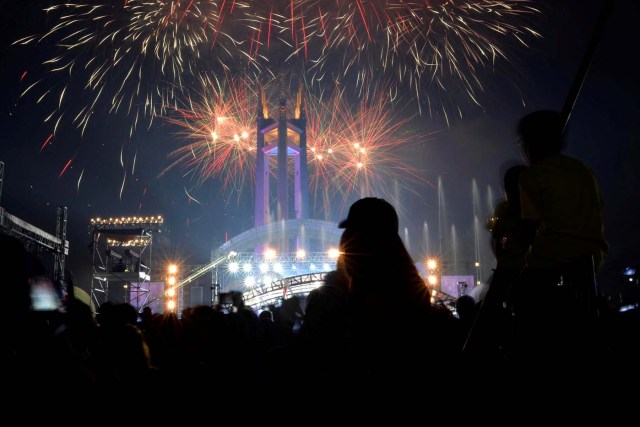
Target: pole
<point>570,102</point>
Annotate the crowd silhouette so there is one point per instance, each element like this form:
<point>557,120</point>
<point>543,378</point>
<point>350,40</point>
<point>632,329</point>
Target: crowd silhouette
<point>371,329</point>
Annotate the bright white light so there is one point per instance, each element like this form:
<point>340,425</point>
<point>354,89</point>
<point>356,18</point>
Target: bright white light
<point>312,266</point>
<point>250,281</point>
<point>264,267</point>
<point>214,136</point>
<point>277,267</point>
<point>173,269</point>
<point>432,264</point>
<point>477,264</point>
<point>234,267</point>
<point>232,254</point>
<point>270,254</point>
<point>293,267</point>
<point>247,267</point>
<point>171,305</point>
<point>171,280</point>
<point>171,292</point>
<point>330,151</point>
<point>333,253</point>
<point>245,134</point>
<point>267,280</point>
<point>326,267</point>
<point>356,145</point>
<point>236,138</point>
<point>301,254</point>
<point>432,280</point>
<point>360,165</point>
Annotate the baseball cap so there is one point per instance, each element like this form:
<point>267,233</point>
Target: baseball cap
<point>371,213</point>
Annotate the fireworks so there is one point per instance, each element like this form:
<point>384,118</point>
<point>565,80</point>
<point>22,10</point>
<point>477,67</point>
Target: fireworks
<point>219,128</point>
<point>136,53</point>
<point>142,58</point>
<point>435,47</point>
<point>352,150</point>
<point>140,54</point>
<point>360,150</point>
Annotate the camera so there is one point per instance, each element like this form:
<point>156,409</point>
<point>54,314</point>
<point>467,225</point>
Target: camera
<point>226,298</point>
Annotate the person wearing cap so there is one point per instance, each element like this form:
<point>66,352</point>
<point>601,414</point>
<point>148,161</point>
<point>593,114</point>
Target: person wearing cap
<point>392,322</point>
<point>372,248</point>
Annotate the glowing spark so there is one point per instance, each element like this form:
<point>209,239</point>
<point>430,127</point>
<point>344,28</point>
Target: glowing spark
<point>79,180</point>
<point>46,142</point>
<point>190,196</point>
<point>64,169</point>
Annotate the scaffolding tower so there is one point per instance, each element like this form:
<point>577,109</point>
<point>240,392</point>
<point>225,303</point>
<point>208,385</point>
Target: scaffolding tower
<point>121,259</point>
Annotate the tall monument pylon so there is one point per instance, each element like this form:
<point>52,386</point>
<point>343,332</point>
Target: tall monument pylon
<point>283,138</point>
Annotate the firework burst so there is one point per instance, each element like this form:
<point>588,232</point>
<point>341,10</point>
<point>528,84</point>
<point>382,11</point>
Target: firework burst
<point>220,132</point>
<point>353,148</point>
<point>139,54</point>
<point>361,148</point>
<point>136,53</point>
<point>437,48</point>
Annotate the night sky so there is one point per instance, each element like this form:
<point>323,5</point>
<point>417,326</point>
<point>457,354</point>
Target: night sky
<point>603,132</point>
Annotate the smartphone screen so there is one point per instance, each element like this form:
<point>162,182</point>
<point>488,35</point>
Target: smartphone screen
<point>44,296</point>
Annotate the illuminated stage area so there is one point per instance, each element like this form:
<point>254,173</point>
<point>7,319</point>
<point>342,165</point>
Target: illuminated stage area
<point>264,274</point>
<point>248,270</point>
<point>267,279</point>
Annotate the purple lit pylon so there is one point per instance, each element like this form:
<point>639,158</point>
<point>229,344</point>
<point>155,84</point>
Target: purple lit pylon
<point>284,138</point>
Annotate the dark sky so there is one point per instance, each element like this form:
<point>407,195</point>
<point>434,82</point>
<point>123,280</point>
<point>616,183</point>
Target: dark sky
<point>603,132</point>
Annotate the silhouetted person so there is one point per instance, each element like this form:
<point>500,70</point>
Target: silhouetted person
<point>511,237</point>
<point>267,334</point>
<point>394,330</point>
<point>291,315</point>
<point>326,314</point>
<point>466,308</point>
<point>556,297</point>
<point>146,317</point>
<point>325,327</point>
<point>38,350</point>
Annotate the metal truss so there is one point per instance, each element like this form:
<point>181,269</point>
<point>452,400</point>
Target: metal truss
<point>36,239</point>
<point>121,259</point>
<point>273,293</point>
